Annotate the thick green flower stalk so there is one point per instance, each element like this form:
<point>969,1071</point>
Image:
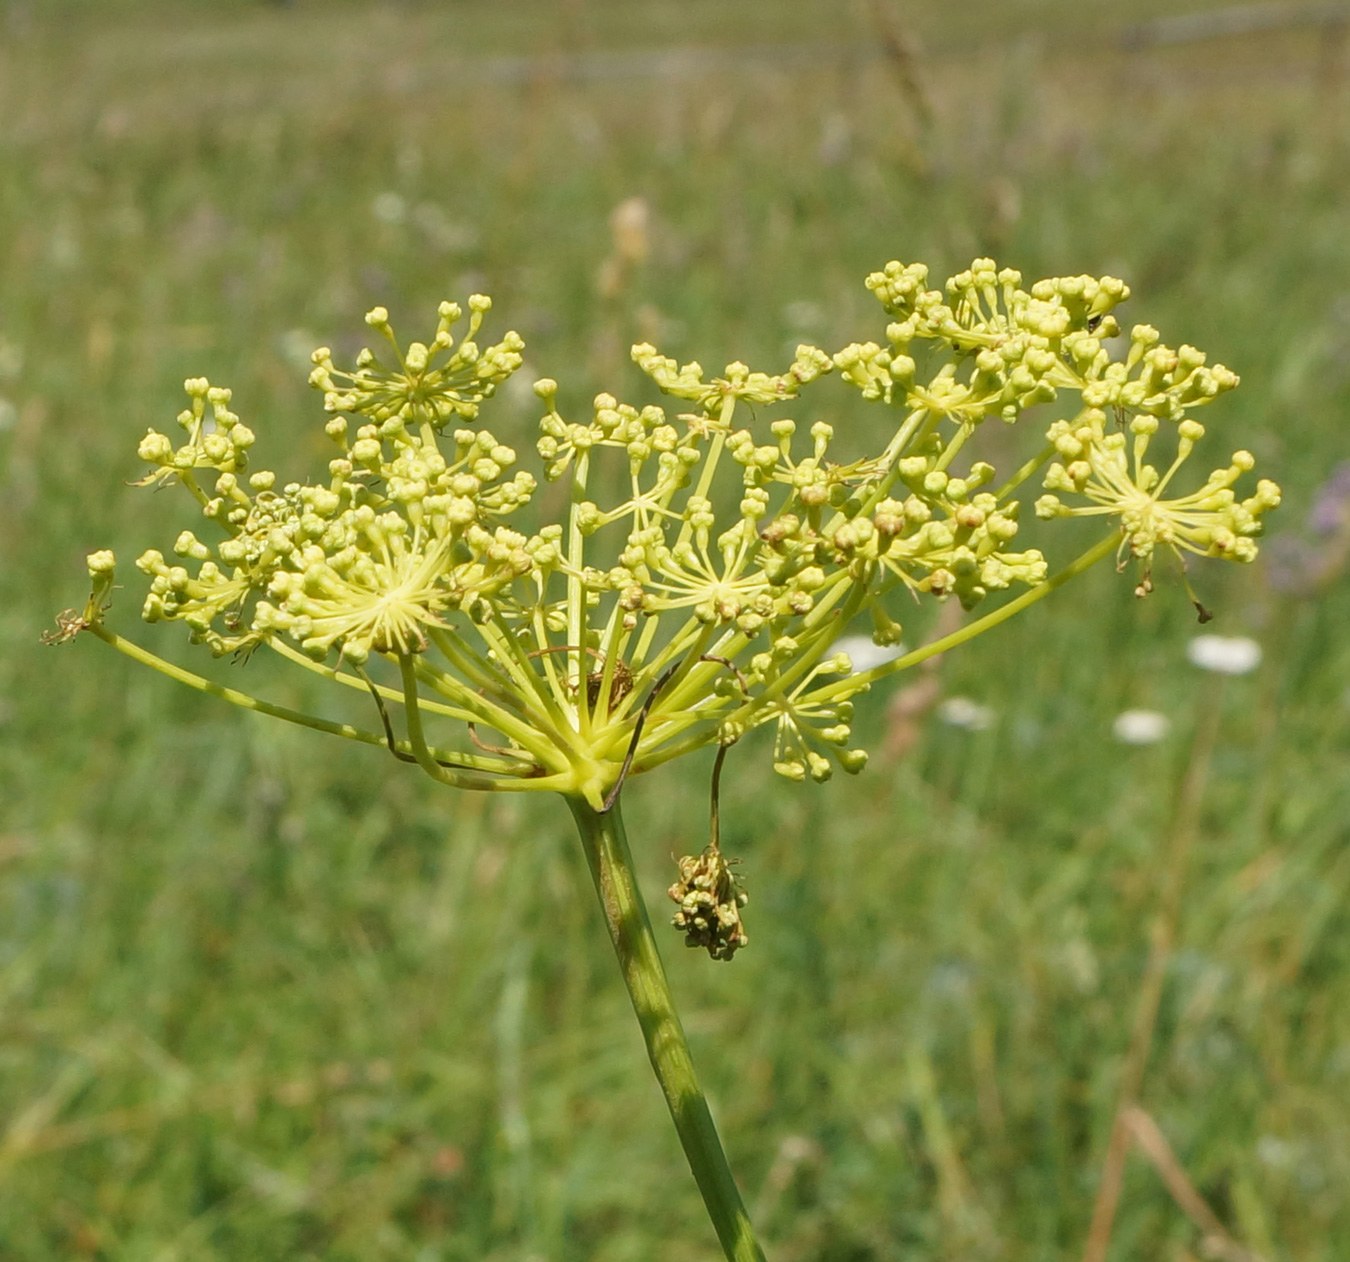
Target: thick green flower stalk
<point>705,597</point>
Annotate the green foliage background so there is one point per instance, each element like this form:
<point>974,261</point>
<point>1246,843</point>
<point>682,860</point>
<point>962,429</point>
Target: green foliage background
<point>266,997</point>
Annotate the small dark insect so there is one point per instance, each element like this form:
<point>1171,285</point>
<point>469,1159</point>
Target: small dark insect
<point>620,684</point>
<point>621,679</point>
<point>1094,323</point>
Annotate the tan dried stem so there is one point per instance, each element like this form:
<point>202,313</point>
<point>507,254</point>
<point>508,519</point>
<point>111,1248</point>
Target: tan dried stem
<point>1150,1140</point>
<point>1185,823</point>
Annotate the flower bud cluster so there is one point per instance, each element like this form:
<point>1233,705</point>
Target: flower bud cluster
<point>686,382</point>
<point>1030,346</point>
<point>435,382</point>
<point>1114,475</point>
<point>710,901</point>
<point>1010,348</point>
<point>217,440</point>
<point>404,529</point>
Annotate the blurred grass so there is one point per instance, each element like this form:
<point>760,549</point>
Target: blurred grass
<point>265,997</point>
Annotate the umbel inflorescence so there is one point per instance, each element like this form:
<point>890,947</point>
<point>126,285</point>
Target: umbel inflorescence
<point>704,598</point>
<point>704,563</point>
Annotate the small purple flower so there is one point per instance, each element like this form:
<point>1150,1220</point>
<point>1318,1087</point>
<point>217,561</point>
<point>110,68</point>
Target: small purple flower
<point>1330,512</point>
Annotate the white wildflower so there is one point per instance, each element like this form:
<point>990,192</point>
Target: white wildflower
<point>963,712</point>
<point>389,208</point>
<point>1140,727</point>
<point>1224,654</point>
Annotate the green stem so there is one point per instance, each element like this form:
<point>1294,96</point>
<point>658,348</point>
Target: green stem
<point>630,930</point>
<point>1025,472</point>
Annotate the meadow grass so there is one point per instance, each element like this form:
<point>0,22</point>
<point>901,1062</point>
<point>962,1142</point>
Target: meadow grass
<point>263,996</point>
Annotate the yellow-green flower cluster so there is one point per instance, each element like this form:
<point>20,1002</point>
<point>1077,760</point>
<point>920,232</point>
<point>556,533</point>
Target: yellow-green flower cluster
<point>710,901</point>
<point>404,528</point>
<point>435,382</point>
<point>1110,468</point>
<point>702,597</point>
